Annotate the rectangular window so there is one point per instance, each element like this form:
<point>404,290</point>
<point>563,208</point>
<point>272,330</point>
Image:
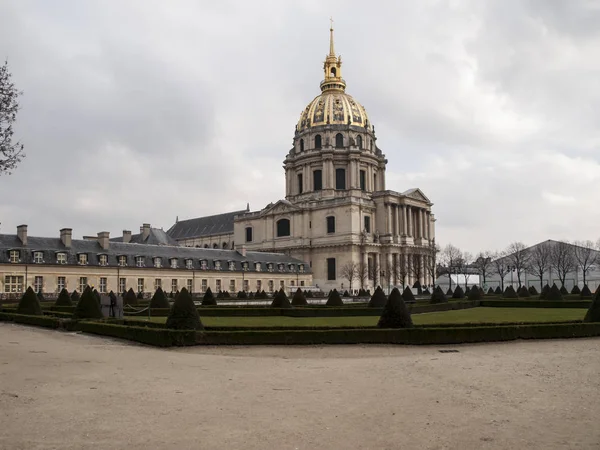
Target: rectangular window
<point>83,282</point>
<point>248,234</point>
<point>374,182</point>
<point>157,283</point>
<point>174,285</point>
<point>140,285</point>
<point>102,289</point>
<point>231,265</point>
<point>61,258</point>
<point>257,267</point>
<point>174,263</point>
<point>158,263</point>
<point>218,285</point>
<point>14,256</point>
<point>317,180</point>
<point>203,265</point>
<point>13,284</point>
<point>258,285</point>
<point>122,284</point>
<point>204,285</point>
<point>340,178</point>
<point>330,224</point>
<point>139,261</point>
<point>281,284</point>
<point>122,260</point>
<point>61,283</point>
<point>103,260</point>
<point>292,283</point>
<point>300,183</point>
<point>83,258</point>
<point>302,283</point>
<point>270,267</point>
<point>38,257</point>
<point>301,268</point>
<point>217,265</point>
<point>189,264</point>
<point>246,286</point>
<point>331,268</point>
<point>190,285</point>
<point>367,224</point>
<point>38,284</point>
<point>363,180</point>
<point>231,285</point>
<point>270,285</point>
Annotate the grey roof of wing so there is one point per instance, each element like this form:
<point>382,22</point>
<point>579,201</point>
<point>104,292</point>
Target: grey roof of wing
<point>204,226</point>
<point>156,237</point>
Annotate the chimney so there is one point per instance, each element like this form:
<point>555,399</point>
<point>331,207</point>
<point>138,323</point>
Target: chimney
<point>243,251</point>
<point>145,230</point>
<point>103,239</point>
<point>126,236</point>
<point>22,233</point>
<point>65,236</point>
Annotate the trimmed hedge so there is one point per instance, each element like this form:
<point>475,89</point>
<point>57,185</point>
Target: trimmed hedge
<point>210,300</point>
<point>379,299</point>
<point>407,295</point>
<point>280,300</point>
<point>184,314</point>
<point>41,321</point>
<point>299,299</point>
<point>130,298</point>
<point>535,303</point>
<point>593,314</point>
<point>585,292</point>
<point>532,290</point>
<point>523,292</point>
<point>29,304</point>
<point>159,337</point>
<point>159,299</point>
<point>88,306</point>
<point>458,293</point>
<point>334,299</point>
<point>575,290</point>
<point>438,296</point>
<point>554,294</point>
<point>474,293</point>
<point>510,292</point>
<point>64,299</point>
<point>395,313</point>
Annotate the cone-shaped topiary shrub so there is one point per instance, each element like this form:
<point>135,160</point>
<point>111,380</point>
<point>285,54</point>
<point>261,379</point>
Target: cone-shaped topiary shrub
<point>408,296</point>
<point>299,299</point>
<point>98,298</point>
<point>490,291</point>
<point>449,292</point>
<point>418,287</point>
<point>334,299</point>
<point>29,304</point>
<point>395,313</point>
<point>280,300</point>
<point>40,296</point>
<point>438,296</point>
<point>64,299</point>
<point>75,297</point>
<point>426,291</point>
<point>88,307</point>
<point>362,293</point>
<point>184,314</point>
<point>545,292</point>
<point>379,299</point>
<point>130,298</point>
<point>210,300</point>
<point>510,292</point>
<point>251,294</point>
<point>555,293</point>
<point>458,293</point>
<point>309,294</point>
<point>159,299</point>
<point>563,290</point>
<point>532,290</point>
<point>474,293</point>
<point>346,294</point>
<point>593,314</point>
<point>575,290</point>
<point>523,292</point>
<point>140,295</point>
<point>585,291</point>
<point>467,290</point>
<point>498,291</point>
<point>242,295</point>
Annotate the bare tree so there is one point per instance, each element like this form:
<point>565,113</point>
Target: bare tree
<point>10,153</point>
<point>562,260</point>
<point>400,269</point>
<point>416,269</point>
<point>349,271</point>
<point>500,263</point>
<point>463,267</point>
<point>431,262</point>
<point>539,262</point>
<point>586,257</point>
<point>483,263</point>
<point>362,273</point>
<point>449,258</point>
<point>374,273</point>
<point>518,258</point>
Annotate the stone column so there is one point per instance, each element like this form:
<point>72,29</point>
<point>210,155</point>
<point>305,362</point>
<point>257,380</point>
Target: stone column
<point>377,277</point>
<point>389,272</point>
<point>388,218</point>
<point>409,265</point>
<point>397,222</point>
<point>410,221</point>
<point>404,221</point>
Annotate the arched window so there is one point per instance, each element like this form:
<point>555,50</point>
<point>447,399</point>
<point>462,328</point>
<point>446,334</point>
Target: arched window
<point>283,227</point>
<point>224,245</point>
<point>333,72</point>
<point>215,245</point>
<point>339,140</point>
<point>301,145</point>
<point>205,245</point>
<point>359,141</point>
<point>318,141</point>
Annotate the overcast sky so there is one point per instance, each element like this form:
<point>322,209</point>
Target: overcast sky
<point>143,110</point>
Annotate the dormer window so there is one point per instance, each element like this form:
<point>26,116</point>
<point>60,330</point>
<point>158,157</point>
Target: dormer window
<point>15,256</point>
<point>257,266</point>
<point>244,266</point>
<point>103,260</point>
<point>281,267</point>
<point>270,267</point>
<point>173,263</point>
<point>301,268</point>
<point>83,260</point>
<point>158,263</point>
<point>122,260</point>
<point>217,265</point>
<point>231,265</point>
<point>189,263</point>
<point>291,267</point>
<point>139,261</point>
<point>38,257</point>
<point>203,264</point>
<point>61,258</point>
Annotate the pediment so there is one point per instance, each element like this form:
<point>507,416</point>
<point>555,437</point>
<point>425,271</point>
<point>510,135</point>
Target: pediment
<point>279,207</point>
<point>416,194</point>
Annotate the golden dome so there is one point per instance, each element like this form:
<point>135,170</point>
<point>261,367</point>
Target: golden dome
<point>333,106</point>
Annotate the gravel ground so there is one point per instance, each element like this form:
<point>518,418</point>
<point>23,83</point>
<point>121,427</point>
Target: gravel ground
<point>73,391</point>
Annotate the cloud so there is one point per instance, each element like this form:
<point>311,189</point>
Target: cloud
<point>139,111</point>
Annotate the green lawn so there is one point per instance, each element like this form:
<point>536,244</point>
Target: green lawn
<point>473,315</point>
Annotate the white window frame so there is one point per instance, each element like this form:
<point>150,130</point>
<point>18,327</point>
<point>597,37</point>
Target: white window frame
<point>174,285</point>
<point>203,264</point>
<point>232,285</point>
<point>103,260</point>
<point>189,263</point>
<point>190,285</point>
<point>61,258</point>
<point>218,285</point>
<point>82,259</point>
<point>13,283</point>
<point>158,262</point>
<point>38,257</point>
<point>257,266</point>
<point>281,267</point>
<point>15,256</point>
<point>140,285</point>
<point>38,283</point>
<point>61,283</point>
<point>270,267</point>
<point>140,261</point>
<point>258,285</point>
<point>83,283</point>
<point>271,285</point>
<point>231,265</point>
<point>122,260</point>
<point>204,284</point>
<point>282,284</point>
<point>103,283</point>
<point>217,265</point>
<point>174,263</point>
<point>246,286</point>
<point>301,268</point>
<point>157,283</point>
<point>122,285</point>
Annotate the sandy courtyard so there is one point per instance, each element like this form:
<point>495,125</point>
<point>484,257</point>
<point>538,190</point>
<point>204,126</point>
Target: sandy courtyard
<point>72,391</point>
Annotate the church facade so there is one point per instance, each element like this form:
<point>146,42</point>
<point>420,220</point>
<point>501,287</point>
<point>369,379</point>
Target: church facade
<point>338,214</point>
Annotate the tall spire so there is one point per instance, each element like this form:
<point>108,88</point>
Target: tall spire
<point>331,47</point>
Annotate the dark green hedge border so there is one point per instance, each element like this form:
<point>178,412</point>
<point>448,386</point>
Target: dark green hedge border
<point>159,337</point>
<point>536,303</point>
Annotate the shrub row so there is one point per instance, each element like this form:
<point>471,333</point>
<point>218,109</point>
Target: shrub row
<point>159,337</point>
<point>41,321</point>
<point>536,303</point>
<point>413,336</point>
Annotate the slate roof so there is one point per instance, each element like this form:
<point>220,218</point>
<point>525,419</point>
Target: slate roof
<point>204,226</point>
<point>156,237</point>
<point>51,246</point>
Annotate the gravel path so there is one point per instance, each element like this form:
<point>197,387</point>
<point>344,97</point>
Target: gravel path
<point>73,391</point>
